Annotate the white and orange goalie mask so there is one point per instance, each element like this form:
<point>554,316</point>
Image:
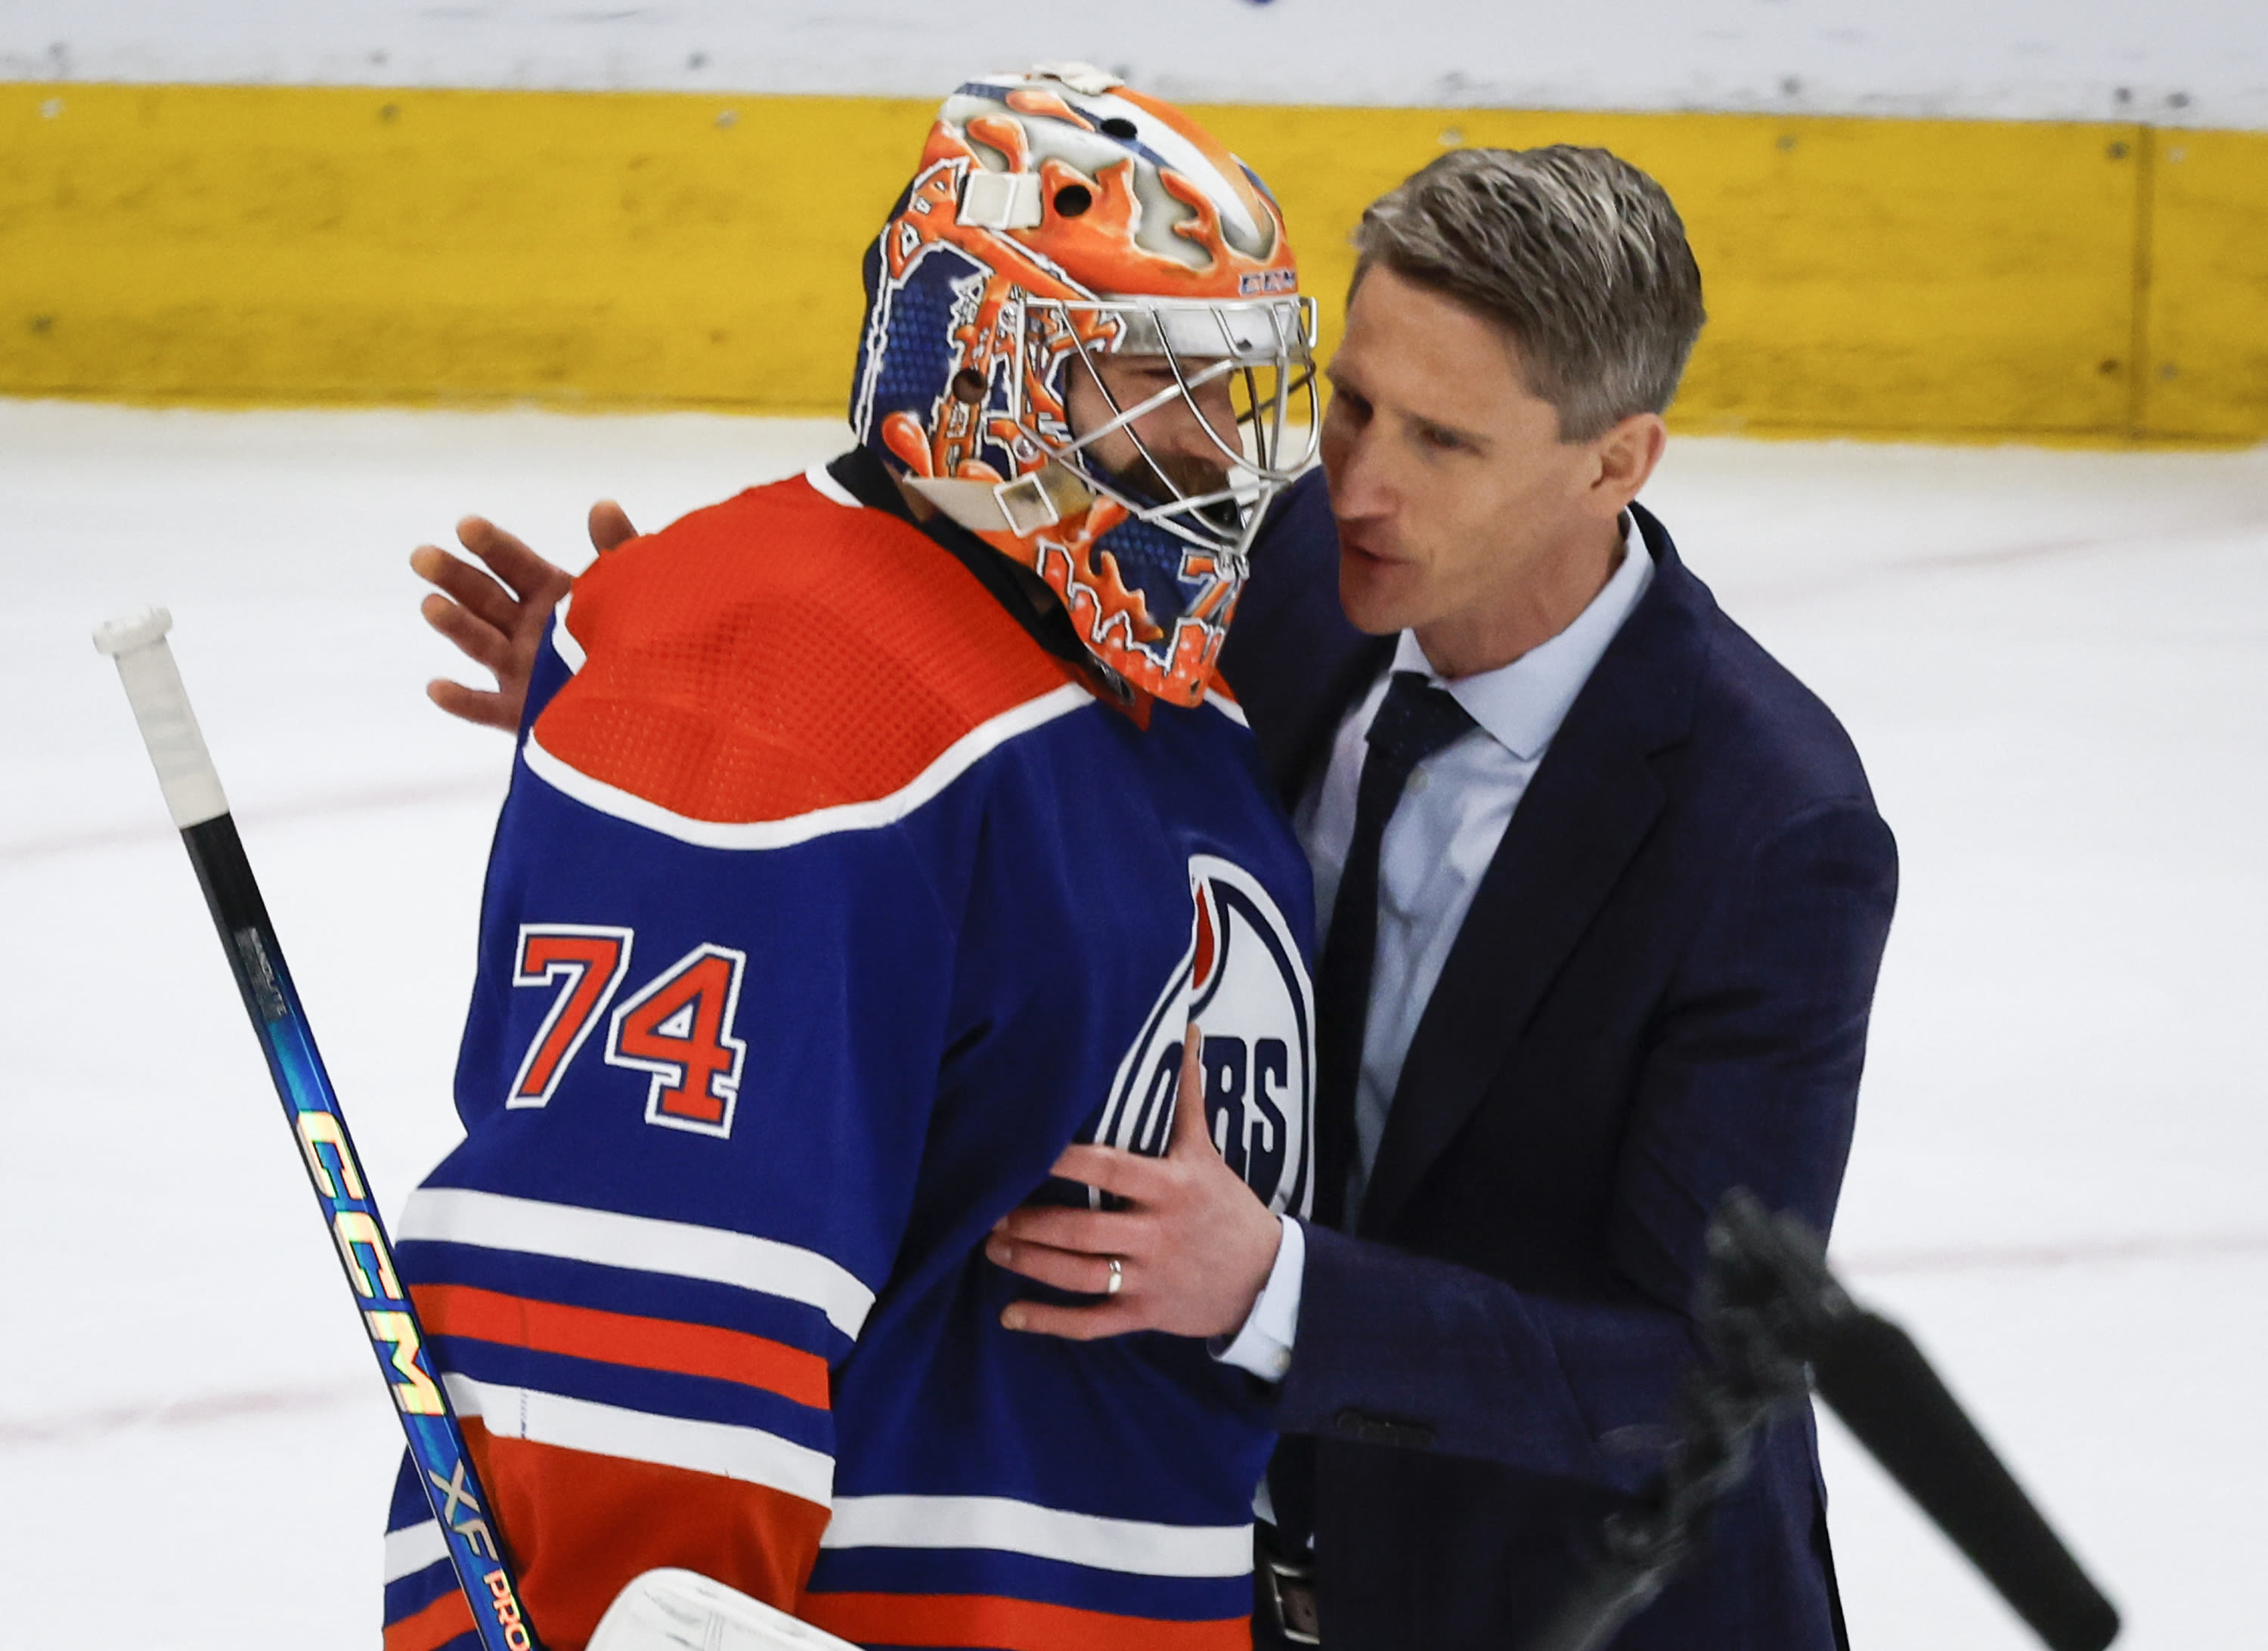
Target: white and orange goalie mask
<point>1062,223</point>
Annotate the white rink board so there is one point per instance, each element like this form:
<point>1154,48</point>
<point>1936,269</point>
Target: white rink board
<point>2200,63</point>
<point>2055,664</point>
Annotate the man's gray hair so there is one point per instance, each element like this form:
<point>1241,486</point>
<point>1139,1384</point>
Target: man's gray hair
<point>1579,257</point>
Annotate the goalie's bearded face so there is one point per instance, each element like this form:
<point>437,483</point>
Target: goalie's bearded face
<point>1182,456</point>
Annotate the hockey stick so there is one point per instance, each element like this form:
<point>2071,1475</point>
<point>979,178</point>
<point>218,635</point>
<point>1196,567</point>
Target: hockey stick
<point>193,794</point>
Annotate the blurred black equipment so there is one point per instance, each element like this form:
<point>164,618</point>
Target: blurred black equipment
<point>1769,1307</point>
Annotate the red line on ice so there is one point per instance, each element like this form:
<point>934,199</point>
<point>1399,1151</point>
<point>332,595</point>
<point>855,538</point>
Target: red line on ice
<point>70,1426</point>
<point>98,838</point>
<point>2199,1246</point>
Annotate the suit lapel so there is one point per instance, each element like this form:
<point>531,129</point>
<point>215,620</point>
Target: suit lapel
<point>1589,808</point>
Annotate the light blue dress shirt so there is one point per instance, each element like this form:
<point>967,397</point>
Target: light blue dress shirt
<point>1437,845</point>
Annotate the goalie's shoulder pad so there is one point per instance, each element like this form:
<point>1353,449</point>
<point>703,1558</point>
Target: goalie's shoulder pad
<point>781,654</point>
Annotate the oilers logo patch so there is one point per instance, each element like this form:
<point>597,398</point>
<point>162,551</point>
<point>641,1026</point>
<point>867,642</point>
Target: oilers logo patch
<point>1242,983</point>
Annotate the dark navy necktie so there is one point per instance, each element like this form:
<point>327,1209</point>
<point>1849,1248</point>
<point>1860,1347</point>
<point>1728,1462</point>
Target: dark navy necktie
<point>1414,721</point>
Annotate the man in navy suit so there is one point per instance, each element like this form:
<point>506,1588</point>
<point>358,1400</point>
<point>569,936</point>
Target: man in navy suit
<point>1607,893</point>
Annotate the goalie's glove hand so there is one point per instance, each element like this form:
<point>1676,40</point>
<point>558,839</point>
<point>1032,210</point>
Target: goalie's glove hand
<point>498,621</point>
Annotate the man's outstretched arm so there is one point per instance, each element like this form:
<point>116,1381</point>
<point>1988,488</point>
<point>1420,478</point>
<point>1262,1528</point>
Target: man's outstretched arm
<point>497,619</point>
<point>1751,1084</point>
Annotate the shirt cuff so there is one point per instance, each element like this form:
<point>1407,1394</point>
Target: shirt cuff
<point>1264,1346</point>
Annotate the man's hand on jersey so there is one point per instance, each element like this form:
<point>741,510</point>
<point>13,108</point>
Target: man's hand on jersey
<point>1193,1246</point>
<point>498,621</point>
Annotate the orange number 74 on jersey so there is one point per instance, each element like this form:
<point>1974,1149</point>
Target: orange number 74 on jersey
<point>678,1028</point>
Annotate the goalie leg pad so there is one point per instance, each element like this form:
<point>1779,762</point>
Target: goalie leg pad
<point>672,1610</point>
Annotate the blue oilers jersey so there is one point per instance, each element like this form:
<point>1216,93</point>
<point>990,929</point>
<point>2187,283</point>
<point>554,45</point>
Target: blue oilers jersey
<point>825,908</point>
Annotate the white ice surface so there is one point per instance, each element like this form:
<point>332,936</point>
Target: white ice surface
<point>2055,664</point>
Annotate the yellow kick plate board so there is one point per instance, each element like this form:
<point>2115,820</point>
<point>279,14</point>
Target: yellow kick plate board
<point>234,244</point>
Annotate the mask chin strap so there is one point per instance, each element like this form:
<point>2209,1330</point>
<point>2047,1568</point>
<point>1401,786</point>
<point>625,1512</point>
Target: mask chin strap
<point>1019,507</point>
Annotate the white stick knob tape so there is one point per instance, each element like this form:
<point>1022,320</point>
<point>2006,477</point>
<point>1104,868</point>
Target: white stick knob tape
<point>161,710</point>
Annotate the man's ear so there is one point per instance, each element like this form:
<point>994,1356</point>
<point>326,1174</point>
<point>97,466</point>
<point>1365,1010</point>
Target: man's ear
<point>1627,454</point>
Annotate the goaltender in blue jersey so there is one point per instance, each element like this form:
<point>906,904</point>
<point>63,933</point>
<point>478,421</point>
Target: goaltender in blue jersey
<point>874,835</point>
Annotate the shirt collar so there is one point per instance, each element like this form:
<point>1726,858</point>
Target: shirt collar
<point>1521,705</point>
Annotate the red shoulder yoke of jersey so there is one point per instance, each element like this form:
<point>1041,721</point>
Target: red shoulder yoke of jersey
<point>781,654</point>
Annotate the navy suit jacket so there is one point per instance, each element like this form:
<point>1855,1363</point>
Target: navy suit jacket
<point>1660,992</point>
